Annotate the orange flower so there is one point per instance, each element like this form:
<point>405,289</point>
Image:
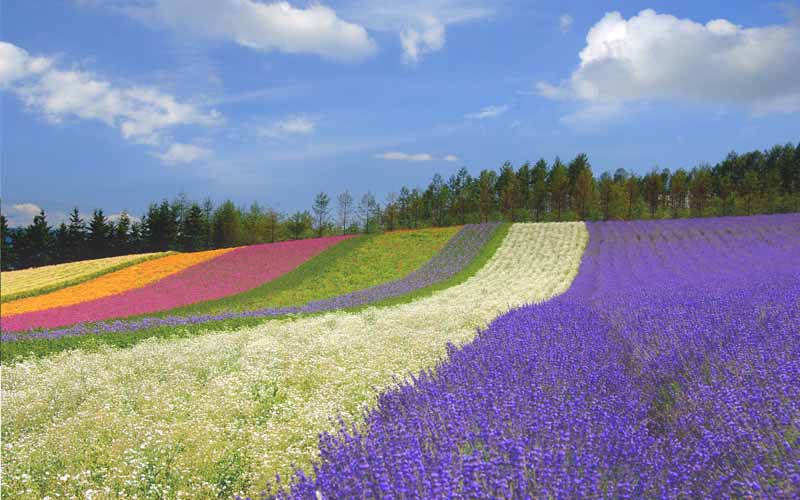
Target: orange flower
<point>120,281</point>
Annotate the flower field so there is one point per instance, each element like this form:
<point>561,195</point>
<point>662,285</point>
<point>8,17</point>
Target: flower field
<point>670,369</point>
<point>117,282</point>
<point>34,281</point>
<point>556,360</point>
<point>219,414</point>
<point>216,274</point>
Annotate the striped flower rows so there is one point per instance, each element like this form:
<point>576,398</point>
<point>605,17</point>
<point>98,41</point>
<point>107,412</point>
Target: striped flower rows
<point>121,281</point>
<point>40,279</point>
<point>457,253</point>
<point>669,370</point>
<point>219,414</point>
<point>230,272</point>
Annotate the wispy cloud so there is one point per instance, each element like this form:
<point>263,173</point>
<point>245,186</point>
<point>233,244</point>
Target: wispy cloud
<point>565,23</point>
<point>183,153</point>
<point>420,24</point>
<point>487,112</point>
<point>294,125</point>
<point>396,155</point>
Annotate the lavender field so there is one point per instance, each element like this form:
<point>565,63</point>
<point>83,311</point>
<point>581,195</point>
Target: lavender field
<point>669,369</point>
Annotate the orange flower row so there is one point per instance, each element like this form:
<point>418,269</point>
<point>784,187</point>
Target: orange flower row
<point>120,281</point>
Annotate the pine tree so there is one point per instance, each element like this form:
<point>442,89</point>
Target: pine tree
<point>559,185</point>
<point>120,243</point>
<point>100,231</point>
<point>7,255</point>
<point>76,237</point>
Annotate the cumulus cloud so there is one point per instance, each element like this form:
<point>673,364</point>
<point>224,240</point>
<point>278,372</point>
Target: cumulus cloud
<point>140,113</point>
<point>487,112</point>
<point>451,158</point>
<point>20,214</point>
<point>565,23</point>
<point>183,153</point>
<point>263,26</point>
<point>293,125</point>
<point>396,155</point>
<point>659,56</point>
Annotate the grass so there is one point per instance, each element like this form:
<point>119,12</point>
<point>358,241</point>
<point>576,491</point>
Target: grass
<point>72,281</point>
<point>17,350</point>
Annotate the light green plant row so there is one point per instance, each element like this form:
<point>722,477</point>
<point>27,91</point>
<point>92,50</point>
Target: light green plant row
<point>40,280</point>
<point>347,267</point>
<point>213,415</point>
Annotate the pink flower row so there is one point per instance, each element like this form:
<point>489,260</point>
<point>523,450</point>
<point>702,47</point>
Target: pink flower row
<point>234,272</point>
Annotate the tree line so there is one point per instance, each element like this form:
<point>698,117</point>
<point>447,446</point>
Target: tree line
<point>754,182</point>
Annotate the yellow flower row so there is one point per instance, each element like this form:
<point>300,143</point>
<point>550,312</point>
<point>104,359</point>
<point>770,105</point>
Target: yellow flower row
<point>135,276</point>
<point>29,280</point>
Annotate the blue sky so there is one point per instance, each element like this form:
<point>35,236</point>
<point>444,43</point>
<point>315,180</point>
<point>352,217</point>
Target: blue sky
<point>116,103</point>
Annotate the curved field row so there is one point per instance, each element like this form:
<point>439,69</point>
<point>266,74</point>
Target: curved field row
<point>132,277</point>
<point>38,280</point>
<point>218,414</point>
<point>454,256</point>
<point>368,261</point>
<point>669,370</point>
<point>230,272</point>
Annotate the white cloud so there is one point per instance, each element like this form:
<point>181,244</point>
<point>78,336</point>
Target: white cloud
<point>451,158</point>
<point>420,24</point>
<point>395,155</point>
<point>183,153</point>
<point>294,125</point>
<point>487,112</point>
<point>20,214</point>
<point>257,25</point>
<point>658,56</point>
<point>16,63</point>
<point>141,114</point>
<point>565,23</point>
<point>115,218</point>
<point>429,37</point>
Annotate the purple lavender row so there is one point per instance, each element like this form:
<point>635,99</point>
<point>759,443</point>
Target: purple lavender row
<point>671,369</point>
<point>456,254</point>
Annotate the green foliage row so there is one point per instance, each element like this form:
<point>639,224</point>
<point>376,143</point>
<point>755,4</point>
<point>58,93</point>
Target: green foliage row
<point>349,266</point>
<point>15,351</point>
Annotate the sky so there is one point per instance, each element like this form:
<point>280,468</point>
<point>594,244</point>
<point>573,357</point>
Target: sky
<point>114,104</point>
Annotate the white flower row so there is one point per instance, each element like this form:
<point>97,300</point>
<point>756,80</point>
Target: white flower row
<point>224,412</point>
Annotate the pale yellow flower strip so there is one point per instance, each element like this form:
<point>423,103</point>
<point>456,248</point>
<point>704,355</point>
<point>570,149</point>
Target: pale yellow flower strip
<point>135,276</point>
<point>28,280</point>
<point>222,413</point>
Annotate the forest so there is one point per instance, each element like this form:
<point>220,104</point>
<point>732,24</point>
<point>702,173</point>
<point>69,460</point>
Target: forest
<point>740,184</point>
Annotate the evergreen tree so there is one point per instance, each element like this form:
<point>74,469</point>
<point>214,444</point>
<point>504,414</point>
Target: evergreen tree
<point>100,231</point>
<point>120,243</point>
<point>76,237</point>
<point>228,228</point>
<point>194,233</point>
<point>559,185</point>
<point>321,212</point>
<point>539,190</point>
<point>7,258</point>
<point>38,242</point>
